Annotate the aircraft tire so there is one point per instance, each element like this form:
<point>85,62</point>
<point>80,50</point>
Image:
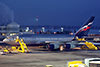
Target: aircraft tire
<point>61,47</point>
<point>50,47</point>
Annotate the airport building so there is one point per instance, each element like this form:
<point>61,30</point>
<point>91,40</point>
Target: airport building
<point>13,27</point>
<point>10,28</point>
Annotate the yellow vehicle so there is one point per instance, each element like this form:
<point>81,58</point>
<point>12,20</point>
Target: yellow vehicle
<point>49,65</point>
<point>80,39</point>
<point>76,64</point>
<point>6,50</point>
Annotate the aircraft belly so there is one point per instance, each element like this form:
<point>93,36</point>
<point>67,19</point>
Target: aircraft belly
<point>12,43</point>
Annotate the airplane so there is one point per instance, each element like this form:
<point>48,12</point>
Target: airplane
<point>53,41</point>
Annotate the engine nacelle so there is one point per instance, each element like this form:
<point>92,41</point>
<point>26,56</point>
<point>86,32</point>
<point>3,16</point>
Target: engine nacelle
<point>50,46</point>
<point>67,46</point>
<point>53,46</point>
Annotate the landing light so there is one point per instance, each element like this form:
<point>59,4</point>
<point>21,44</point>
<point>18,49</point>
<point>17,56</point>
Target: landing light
<point>70,33</point>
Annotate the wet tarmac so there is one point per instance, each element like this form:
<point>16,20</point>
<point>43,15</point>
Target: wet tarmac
<point>40,58</point>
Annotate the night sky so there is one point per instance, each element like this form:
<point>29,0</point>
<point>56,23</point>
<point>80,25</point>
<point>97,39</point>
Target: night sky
<point>53,12</point>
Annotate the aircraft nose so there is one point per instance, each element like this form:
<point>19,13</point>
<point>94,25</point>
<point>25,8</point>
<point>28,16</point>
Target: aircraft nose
<point>9,41</point>
<point>5,40</point>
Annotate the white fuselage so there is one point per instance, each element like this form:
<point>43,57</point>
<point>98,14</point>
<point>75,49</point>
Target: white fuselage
<point>39,38</point>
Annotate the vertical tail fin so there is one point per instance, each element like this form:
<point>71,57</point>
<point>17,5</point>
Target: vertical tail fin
<point>83,31</point>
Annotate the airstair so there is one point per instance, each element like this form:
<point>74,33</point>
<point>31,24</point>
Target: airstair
<point>22,48</point>
<point>89,46</point>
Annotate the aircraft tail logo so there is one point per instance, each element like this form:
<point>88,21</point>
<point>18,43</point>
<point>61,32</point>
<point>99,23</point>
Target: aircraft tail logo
<point>83,31</point>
